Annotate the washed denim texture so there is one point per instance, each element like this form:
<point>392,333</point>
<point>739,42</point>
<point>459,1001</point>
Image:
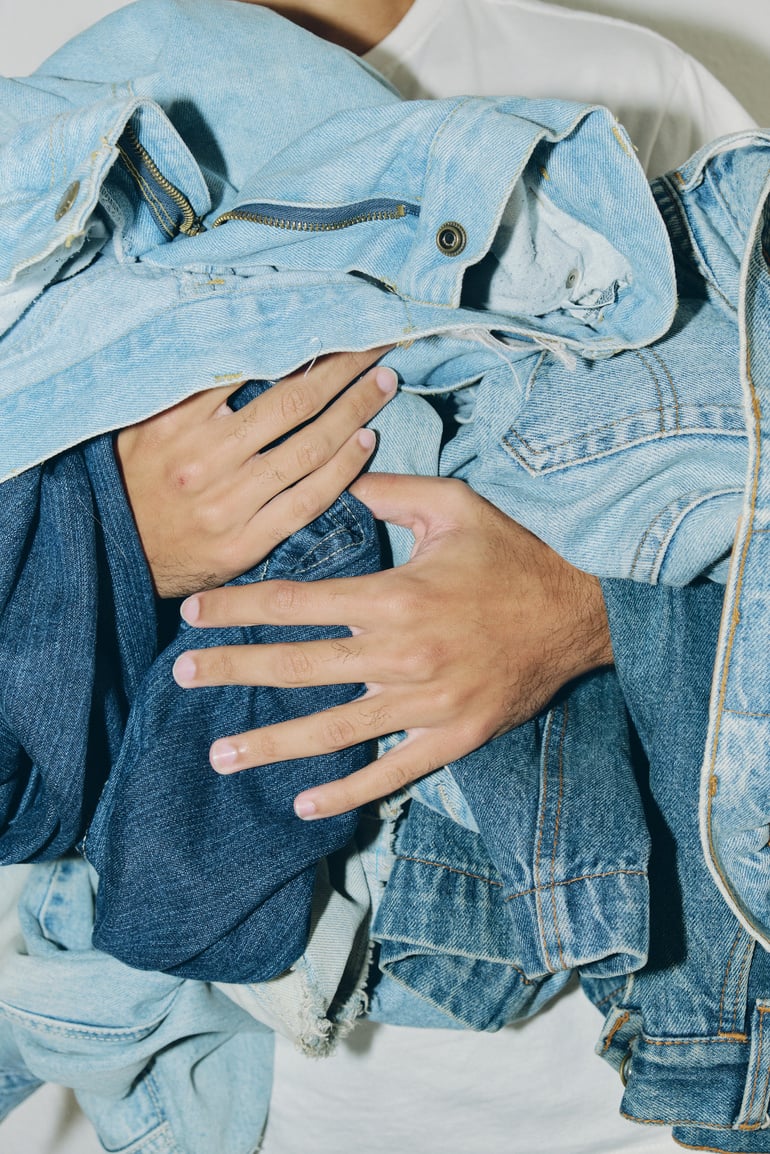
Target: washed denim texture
<point>366,245</point>
<point>663,442</point>
<point>195,284</point>
<point>552,876</point>
<point>734,801</point>
<point>158,1064</point>
<point>184,886</point>
<point>689,1027</point>
<point>523,232</point>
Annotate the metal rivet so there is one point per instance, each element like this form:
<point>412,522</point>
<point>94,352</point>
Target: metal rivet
<point>451,238</point>
<point>573,278</point>
<point>625,1067</point>
<point>67,201</point>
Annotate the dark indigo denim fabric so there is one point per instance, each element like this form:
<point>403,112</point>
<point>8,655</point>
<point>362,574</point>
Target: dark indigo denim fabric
<point>690,1027</point>
<point>200,875</point>
<point>56,700</point>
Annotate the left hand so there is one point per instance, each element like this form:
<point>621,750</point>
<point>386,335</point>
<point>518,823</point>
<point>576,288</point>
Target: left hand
<point>468,639</point>
<point>212,492</point>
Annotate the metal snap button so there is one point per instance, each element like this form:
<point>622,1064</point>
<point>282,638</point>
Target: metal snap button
<point>451,238</point>
<point>67,201</point>
<point>573,278</point>
<point>625,1067</point>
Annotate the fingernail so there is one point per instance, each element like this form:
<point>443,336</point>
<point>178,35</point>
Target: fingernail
<point>366,439</point>
<point>305,808</point>
<point>184,670</point>
<point>223,756</point>
<point>190,610</point>
<point>387,381</point>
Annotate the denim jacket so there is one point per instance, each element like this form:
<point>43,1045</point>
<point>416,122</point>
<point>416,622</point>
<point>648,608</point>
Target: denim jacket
<point>145,159</point>
<point>522,234</point>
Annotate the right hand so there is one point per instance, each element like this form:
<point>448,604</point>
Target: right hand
<point>209,503</point>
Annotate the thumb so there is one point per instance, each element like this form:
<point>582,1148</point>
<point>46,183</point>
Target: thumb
<point>425,505</point>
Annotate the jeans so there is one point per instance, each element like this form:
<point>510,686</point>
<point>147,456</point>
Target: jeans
<point>183,885</point>
<point>202,875</point>
<point>159,1065</point>
<point>688,1028</point>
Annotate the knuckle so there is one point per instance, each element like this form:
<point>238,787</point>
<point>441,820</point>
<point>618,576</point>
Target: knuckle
<point>283,597</point>
<point>394,776</point>
<point>293,665</point>
<point>296,404</point>
<point>306,504</point>
<point>220,664</point>
<point>360,406</point>
<point>264,747</point>
<point>311,453</point>
<point>338,733</point>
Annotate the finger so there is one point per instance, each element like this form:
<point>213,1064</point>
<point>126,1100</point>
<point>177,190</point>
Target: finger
<point>295,507</point>
<point>332,661</point>
<point>296,399</point>
<point>189,412</point>
<point>329,732</point>
<point>336,601</point>
<point>308,450</point>
<point>419,753</point>
<point>414,502</point>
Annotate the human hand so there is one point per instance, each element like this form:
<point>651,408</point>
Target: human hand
<point>210,492</point>
<point>468,639</point>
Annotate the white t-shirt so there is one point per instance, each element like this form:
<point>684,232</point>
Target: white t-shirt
<point>667,101</point>
<point>537,1088</point>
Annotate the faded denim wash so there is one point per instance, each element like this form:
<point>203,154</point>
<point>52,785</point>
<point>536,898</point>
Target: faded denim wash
<point>688,1029</point>
<point>158,1064</point>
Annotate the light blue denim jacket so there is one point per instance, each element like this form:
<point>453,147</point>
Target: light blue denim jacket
<point>377,210</point>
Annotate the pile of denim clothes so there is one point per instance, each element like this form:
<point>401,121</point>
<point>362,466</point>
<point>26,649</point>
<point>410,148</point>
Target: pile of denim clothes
<point>195,192</point>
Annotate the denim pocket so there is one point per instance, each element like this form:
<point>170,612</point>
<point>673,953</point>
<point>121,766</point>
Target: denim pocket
<point>572,416</point>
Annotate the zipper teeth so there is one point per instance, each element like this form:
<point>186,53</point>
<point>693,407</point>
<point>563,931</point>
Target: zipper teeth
<point>191,223</point>
<point>308,226</point>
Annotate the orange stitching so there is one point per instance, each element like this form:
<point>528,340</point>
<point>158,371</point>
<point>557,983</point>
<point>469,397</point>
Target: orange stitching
<point>691,430</point>
<point>756,1071</point>
<point>610,996</point>
<point>521,893</point>
<point>443,866</point>
<point>756,1068</point>
<point>556,832</point>
<point>658,390</point>
<point>688,1146</point>
<point>696,1041</point>
<point>549,728</point>
<point>745,712</point>
<point>735,615</point>
<point>580,878</point>
<point>615,1027</point>
<point>679,1122</point>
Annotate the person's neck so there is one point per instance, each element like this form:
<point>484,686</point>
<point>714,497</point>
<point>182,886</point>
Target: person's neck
<point>351,23</point>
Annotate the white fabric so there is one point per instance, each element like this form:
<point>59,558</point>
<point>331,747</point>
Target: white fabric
<point>668,103</point>
<point>537,1088</point>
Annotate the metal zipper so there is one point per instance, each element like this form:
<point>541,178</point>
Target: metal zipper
<point>135,155</point>
<point>320,219</point>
